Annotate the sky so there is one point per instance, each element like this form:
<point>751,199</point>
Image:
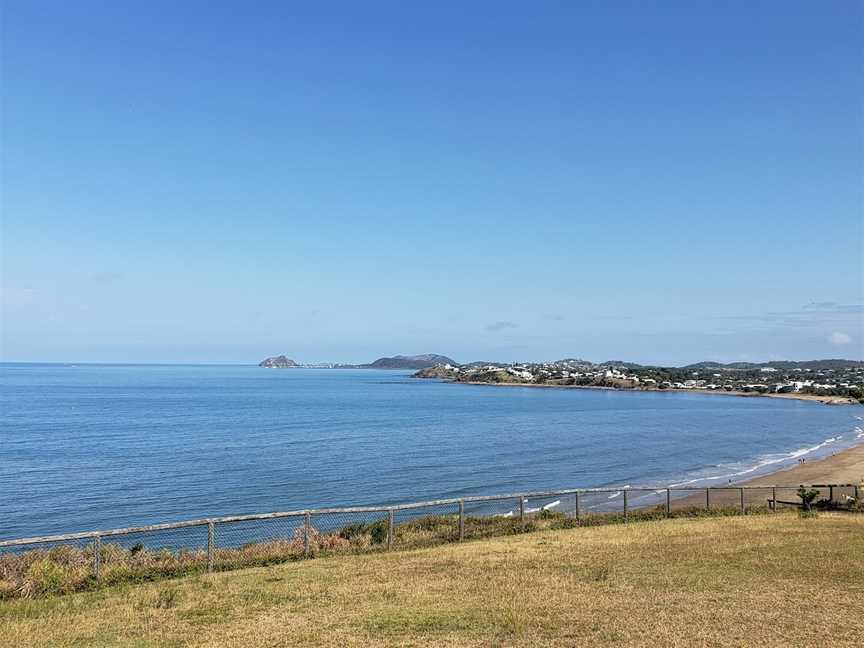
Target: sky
<point>224,181</point>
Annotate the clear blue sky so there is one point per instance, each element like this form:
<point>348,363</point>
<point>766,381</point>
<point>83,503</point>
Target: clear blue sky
<point>221,181</point>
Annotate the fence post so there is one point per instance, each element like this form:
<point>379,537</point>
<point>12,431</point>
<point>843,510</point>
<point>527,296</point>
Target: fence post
<point>831,493</point>
<point>707,499</point>
<point>461,520</point>
<point>390,531</point>
<point>625,504</point>
<point>211,538</point>
<point>774,498</point>
<point>668,503</point>
<point>856,493</point>
<point>97,557</point>
<point>577,504</point>
<point>306,525</point>
<point>521,509</point>
<point>742,500</point>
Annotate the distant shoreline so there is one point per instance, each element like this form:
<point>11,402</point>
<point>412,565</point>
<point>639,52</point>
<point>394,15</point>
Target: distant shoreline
<point>824,400</point>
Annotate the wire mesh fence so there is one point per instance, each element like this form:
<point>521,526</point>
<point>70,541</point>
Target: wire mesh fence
<point>350,531</point>
<point>426,525</point>
<point>57,564</point>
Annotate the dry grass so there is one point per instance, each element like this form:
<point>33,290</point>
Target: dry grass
<point>766,581</point>
<point>67,568</point>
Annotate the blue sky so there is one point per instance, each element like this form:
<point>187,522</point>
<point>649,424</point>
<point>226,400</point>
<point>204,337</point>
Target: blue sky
<point>216,182</point>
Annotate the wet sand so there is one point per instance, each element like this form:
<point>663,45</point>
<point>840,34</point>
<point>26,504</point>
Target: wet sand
<point>844,467</point>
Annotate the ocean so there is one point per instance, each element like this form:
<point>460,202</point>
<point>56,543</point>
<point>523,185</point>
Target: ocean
<point>85,447</point>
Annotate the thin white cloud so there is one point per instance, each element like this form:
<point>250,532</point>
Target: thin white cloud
<point>837,338</point>
<point>813,315</point>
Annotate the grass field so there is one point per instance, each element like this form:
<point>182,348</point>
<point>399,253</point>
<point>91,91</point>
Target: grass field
<point>764,580</point>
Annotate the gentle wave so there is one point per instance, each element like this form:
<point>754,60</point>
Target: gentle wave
<point>618,494</point>
<point>546,507</point>
<point>795,454</point>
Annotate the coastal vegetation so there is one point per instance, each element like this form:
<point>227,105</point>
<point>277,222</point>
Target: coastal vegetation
<point>722,582</point>
<point>65,568</point>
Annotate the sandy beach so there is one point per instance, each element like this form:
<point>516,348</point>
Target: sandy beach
<point>844,467</point>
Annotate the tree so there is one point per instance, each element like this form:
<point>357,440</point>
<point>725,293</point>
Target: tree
<point>807,496</point>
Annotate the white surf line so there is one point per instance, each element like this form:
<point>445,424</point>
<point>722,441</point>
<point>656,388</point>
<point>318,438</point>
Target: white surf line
<point>767,462</point>
<point>543,508</point>
<point>546,507</point>
<point>618,494</point>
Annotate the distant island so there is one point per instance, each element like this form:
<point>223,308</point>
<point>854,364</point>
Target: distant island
<point>829,381</point>
<point>415,362</point>
<point>278,362</point>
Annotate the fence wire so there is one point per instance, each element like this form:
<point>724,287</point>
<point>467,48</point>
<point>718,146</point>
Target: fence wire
<point>354,532</point>
<point>36,566</point>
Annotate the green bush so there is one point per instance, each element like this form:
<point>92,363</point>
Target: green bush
<point>807,496</point>
<point>377,531</point>
<point>44,577</point>
<point>549,514</point>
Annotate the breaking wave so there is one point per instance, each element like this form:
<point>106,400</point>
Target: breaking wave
<point>768,461</point>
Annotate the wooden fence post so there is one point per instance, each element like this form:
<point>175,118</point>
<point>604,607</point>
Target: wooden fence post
<point>625,504</point>
<point>831,493</point>
<point>97,557</point>
<point>668,503</point>
<point>307,522</point>
<point>521,509</point>
<point>461,520</point>
<point>390,526</point>
<point>577,504</point>
<point>774,498</point>
<point>708,499</point>
<point>211,538</point>
<point>742,500</point>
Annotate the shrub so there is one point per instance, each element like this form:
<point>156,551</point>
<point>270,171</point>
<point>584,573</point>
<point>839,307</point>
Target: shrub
<point>377,531</point>
<point>43,577</point>
<point>427,529</point>
<point>807,496</point>
<point>549,514</point>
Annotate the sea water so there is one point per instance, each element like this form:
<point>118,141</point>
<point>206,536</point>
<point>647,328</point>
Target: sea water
<point>102,446</point>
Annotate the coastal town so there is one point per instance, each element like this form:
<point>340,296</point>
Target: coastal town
<point>835,378</point>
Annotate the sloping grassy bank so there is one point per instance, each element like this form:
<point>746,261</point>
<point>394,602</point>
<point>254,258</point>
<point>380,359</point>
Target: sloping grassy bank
<point>68,568</point>
<point>754,580</point>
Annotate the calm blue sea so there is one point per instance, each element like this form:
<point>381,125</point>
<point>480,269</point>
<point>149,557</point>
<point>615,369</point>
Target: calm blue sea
<point>99,446</point>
